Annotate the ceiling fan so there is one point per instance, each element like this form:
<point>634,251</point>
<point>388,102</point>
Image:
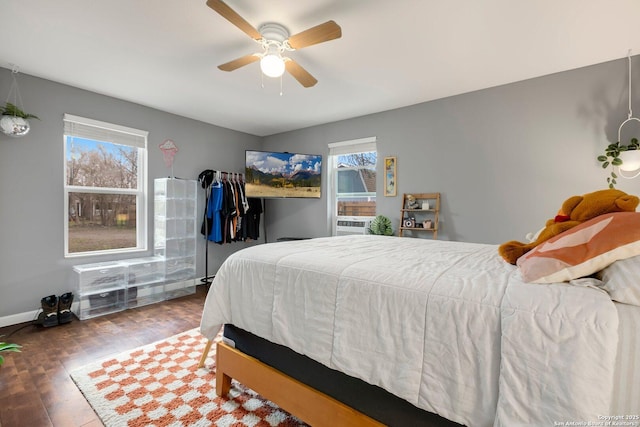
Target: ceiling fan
<point>275,40</point>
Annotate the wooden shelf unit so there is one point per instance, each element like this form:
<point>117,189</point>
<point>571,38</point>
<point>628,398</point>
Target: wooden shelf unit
<point>420,215</point>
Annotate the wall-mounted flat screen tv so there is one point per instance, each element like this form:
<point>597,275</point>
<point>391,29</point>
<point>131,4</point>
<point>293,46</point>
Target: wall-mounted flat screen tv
<point>271,174</point>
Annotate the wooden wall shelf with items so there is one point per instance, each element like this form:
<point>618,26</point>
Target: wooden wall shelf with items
<point>419,213</point>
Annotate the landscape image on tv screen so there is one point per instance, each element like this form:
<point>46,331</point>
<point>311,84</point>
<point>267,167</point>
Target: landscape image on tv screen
<point>270,174</point>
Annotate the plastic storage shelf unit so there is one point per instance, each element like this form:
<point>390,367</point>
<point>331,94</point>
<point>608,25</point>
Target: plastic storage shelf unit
<point>175,233</point>
<point>107,287</point>
<point>100,289</point>
<point>145,281</point>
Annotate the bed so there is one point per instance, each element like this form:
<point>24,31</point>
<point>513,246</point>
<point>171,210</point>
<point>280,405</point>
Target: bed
<point>446,328</point>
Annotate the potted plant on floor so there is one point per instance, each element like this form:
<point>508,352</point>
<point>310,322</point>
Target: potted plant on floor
<point>4,347</point>
<point>14,121</point>
<point>613,157</point>
<point>381,225</point>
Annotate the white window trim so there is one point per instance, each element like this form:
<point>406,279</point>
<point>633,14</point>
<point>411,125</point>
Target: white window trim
<point>336,148</point>
<point>117,134</point>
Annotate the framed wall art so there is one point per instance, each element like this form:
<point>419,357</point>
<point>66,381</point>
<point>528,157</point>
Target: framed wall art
<point>390,183</point>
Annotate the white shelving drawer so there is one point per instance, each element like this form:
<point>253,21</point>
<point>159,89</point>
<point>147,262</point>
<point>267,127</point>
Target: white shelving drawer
<point>88,305</point>
<point>145,270</point>
<point>179,289</point>
<point>180,247</point>
<point>191,189</point>
<point>180,269</point>
<point>137,296</point>
<point>190,208</point>
<point>170,208</point>
<point>160,187</point>
<point>100,276</point>
<point>159,208</point>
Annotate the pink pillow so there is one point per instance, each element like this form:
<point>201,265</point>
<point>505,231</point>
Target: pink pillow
<point>583,250</point>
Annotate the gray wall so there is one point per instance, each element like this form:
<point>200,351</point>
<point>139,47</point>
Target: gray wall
<point>504,158</point>
<point>32,263</point>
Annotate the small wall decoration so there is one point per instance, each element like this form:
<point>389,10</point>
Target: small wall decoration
<point>390,176</point>
<point>169,150</point>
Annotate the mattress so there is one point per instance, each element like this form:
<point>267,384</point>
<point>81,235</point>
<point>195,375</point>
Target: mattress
<point>447,326</point>
<point>357,394</point>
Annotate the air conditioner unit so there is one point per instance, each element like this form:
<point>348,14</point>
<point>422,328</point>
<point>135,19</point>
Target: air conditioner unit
<point>346,225</point>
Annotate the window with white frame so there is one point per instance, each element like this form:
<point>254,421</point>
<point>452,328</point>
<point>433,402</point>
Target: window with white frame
<point>352,178</point>
<point>105,187</point>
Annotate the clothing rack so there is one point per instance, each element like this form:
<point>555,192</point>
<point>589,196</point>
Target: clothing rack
<point>207,178</point>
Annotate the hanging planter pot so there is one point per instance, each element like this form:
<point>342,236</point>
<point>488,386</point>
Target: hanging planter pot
<point>13,121</point>
<point>630,166</point>
<point>14,126</point>
<point>626,158</point>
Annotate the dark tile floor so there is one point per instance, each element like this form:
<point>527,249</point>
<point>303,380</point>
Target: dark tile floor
<point>35,387</point>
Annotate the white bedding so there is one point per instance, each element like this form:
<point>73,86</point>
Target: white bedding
<point>448,326</point>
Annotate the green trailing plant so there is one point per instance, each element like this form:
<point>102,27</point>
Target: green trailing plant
<point>611,158</point>
<point>381,225</point>
<point>8,347</point>
<point>10,109</point>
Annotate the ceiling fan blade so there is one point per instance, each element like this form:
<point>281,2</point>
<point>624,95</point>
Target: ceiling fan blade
<point>233,17</point>
<point>299,73</point>
<point>240,62</point>
<point>318,34</point>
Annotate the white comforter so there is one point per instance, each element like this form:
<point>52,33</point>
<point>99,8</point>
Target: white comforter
<point>448,326</point>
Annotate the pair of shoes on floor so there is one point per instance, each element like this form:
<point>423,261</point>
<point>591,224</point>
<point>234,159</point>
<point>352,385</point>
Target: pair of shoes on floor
<point>55,310</point>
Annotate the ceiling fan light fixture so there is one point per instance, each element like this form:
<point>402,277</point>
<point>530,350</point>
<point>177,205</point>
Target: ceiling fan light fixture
<point>272,65</point>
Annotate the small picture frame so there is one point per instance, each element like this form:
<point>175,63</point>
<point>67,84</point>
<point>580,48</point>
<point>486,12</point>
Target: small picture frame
<point>390,183</point>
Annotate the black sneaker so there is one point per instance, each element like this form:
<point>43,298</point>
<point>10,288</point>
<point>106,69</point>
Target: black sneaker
<point>64,308</point>
<point>49,315</point>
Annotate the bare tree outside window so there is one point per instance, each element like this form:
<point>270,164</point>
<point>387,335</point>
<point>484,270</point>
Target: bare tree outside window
<point>102,216</point>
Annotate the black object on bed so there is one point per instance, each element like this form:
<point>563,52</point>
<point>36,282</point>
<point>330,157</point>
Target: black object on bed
<point>366,398</point>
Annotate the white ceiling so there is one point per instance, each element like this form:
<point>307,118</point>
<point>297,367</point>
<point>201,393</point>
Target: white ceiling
<point>393,53</point>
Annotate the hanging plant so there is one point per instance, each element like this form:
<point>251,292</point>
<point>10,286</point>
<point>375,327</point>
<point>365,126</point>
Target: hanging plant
<point>611,157</point>
<point>381,225</point>
<point>13,120</point>
<point>10,109</point>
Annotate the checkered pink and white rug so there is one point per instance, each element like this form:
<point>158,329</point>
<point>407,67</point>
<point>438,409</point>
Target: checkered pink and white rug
<point>160,385</point>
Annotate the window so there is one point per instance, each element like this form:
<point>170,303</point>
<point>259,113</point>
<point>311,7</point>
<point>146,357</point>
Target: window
<point>105,187</point>
<point>353,181</point>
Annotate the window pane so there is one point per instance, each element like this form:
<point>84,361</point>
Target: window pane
<point>99,222</point>
<point>101,164</point>
<point>356,184</point>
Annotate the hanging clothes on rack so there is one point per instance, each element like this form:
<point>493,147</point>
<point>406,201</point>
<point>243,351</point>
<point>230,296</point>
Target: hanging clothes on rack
<point>243,207</point>
<point>226,207</point>
<point>252,218</point>
<point>229,215</point>
<point>214,210</point>
<point>228,210</point>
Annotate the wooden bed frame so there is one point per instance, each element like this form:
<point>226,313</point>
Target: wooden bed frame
<point>314,393</point>
<point>309,405</point>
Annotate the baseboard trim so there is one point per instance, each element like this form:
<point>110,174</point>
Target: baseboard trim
<point>14,319</point>
<point>30,316</point>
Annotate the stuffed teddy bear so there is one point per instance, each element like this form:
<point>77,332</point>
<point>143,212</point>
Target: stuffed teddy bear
<point>412,203</point>
<point>575,210</point>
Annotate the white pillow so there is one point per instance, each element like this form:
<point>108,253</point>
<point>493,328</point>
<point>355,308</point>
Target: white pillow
<point>622,280</point>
